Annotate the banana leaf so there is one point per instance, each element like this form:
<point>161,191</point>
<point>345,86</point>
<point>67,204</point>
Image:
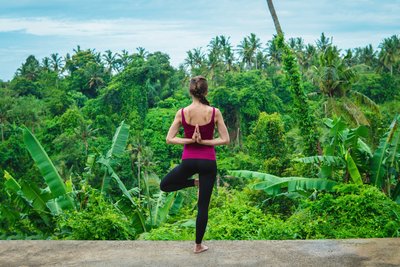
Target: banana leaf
<point>47,169</point>
<point>33,196</point>
<point>57,205</point>
<point>352,169</point>
<point>119,141</point>
<point>325,160</point>
<point>178,201</point>
<point>117,149</point>
<point>274,185</point>
<point>161,209</point>
<point>378,168</point>
<point>45,165</point>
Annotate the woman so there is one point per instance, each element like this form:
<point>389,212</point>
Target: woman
<point>198,121</point>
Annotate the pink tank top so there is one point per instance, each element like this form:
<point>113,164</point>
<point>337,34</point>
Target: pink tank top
<point>198,151</point>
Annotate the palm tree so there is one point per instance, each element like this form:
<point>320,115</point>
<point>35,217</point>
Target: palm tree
<point>244,52</point>
<point>274,17</point>
<point>390,52</point>
<point>306,121</point>
<point>310,56</point>
<point>368,56</point>
<point>124,59</point>
<point>214,58</point>
<point>227,53</point>
<point>56,62</point>
<point>85,132</point>
<point>334,78</point>
<point>142,53</point>
<point>30,69</point>
<point>95,76</point>
<point>324,42</point>
<point>261,60</point>
<point>196,60</point>
<point>255,45</point>
<point>274,54</point>
<point>110,60</point>
<point>297,44</point>
<point>46,63</point>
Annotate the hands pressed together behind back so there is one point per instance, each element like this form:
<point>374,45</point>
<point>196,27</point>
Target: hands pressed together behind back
<point>196,137</point>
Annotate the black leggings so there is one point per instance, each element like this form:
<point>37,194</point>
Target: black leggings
<point>178,179</point>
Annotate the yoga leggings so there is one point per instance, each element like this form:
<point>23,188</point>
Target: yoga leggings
<point>178,179</point>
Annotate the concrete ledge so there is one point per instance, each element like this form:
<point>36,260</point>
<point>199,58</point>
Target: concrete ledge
<point>349,252</point>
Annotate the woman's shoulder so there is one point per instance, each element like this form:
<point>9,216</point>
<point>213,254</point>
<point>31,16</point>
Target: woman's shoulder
<point>216,110</point>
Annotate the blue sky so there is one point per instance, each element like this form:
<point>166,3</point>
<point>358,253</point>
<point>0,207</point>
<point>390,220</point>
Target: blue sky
<point>43,27</point>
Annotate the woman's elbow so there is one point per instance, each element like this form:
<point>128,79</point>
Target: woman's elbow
<point>168,140</point>
<point>227,141</point>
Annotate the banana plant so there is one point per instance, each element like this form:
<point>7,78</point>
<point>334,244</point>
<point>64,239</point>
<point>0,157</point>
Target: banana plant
<point>161,208</point>
<point>274,185</point>
<point>117,149</point>
<point>385,162</point>
<point>346,151</point>
<point>33,196</point>
<point>60,195</point>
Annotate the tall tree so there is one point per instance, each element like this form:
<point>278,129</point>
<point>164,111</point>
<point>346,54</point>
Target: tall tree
<point>110,60</point>
<point>304,116</point>
<point>389,55</point>
<point>274,17</point>
<point>334,78</point>
<point>56,62</point>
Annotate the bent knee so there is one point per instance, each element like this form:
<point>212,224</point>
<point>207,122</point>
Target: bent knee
<point>164,187</point>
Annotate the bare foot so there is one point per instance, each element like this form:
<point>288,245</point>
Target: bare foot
<point>198,248</point>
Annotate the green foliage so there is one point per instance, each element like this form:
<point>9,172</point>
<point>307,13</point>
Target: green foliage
<point>378,87</point>
<point>385,161</point>
<point>60,196</point>
<point>234,219</point>
<point>352,212</point>
<point>157,123</point>
<point>98,220</point>
<point>74,103</point>
<point>302,112</point>
<point>230,217</point>
<point>274,185</point>
<point>267,141</point>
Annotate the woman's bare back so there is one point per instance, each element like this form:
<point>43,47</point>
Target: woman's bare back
<point>198,114</point>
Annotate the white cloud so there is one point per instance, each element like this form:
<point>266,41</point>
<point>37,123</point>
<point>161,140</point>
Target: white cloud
<point>48,26</point>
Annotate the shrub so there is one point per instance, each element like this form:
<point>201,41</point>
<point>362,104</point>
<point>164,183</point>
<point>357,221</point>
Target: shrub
<point>352,212</point>
<point>99,220</point>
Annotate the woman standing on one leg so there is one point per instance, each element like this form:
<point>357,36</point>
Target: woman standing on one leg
<point>198,121</point>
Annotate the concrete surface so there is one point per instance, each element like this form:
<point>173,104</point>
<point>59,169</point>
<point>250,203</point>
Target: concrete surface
<point>350,252</point>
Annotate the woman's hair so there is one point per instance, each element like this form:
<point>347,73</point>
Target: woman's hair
<point>199,88</point>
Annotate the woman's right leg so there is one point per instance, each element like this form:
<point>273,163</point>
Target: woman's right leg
<point>207,176</point>
<point>177,178</point>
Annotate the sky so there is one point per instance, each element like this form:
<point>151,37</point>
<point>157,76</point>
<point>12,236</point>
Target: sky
<point>44,27</point>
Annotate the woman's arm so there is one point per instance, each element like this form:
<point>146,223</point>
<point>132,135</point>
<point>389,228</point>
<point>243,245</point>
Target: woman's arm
<point>173,130</point>
<point>223,138</point>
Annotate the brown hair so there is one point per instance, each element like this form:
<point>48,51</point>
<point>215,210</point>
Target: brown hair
<point>199,88</point>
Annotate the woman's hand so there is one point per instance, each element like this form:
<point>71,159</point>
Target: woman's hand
<point>194,136</point>
<point>198,135</point>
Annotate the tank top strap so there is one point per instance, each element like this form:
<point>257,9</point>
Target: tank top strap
<point>213,115</point>
<point>183,117</point>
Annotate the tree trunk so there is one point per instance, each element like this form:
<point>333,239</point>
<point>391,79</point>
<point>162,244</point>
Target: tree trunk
<point>274,17</point>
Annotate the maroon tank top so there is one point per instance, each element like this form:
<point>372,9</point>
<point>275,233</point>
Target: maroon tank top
<point>198,151</point>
